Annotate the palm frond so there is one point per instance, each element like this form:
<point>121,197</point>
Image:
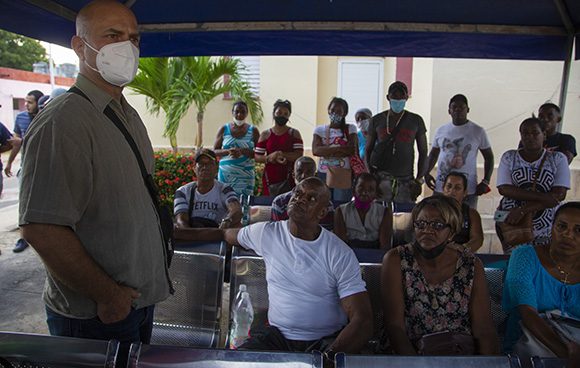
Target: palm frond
<point>174,84</point>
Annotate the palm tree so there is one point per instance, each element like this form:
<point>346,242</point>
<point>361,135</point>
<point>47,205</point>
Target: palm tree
<point>201,80</point>
<point>155,79</point>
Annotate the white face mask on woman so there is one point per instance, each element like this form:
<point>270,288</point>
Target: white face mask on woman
<point>239,122</point>
<point>116,62</point>
<point>363,125</point>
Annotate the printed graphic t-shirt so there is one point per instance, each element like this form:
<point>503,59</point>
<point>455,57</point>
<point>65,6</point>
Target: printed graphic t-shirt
<point>333,138</point>
<point>411,126</point>
<point>459,145</point>
<point>211,205</point>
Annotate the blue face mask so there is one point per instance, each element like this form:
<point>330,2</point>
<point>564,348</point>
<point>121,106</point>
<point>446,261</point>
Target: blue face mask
<point>397,105</point>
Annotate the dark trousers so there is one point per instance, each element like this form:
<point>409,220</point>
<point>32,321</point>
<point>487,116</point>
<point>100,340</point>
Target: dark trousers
<point>272,339</point>
<point>137,327</point>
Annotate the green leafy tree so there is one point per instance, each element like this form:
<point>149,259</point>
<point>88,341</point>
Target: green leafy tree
<point>154,80</point>
<point>20,52</point>
<point>201,81</point>
<point>173,84</point>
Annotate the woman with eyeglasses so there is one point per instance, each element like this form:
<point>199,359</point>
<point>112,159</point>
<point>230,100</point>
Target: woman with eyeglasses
<point>541,279</point>
<point>434,285</point>
<point>278,147</point>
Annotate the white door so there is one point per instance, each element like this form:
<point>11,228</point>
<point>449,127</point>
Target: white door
<point>360,83</point>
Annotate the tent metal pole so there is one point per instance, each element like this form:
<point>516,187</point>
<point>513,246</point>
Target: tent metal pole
<point>54,8</point>
<point>566,76</point>
<point>569,26</point>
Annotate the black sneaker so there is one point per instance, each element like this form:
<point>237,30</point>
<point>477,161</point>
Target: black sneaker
<point>21,244</point>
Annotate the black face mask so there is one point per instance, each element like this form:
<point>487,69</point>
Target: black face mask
<point>280,120</point>
<point>431,253</point>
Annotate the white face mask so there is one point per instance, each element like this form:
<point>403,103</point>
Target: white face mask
<point>239,122</point>
<point>116,62</point>
<point>363,125</point>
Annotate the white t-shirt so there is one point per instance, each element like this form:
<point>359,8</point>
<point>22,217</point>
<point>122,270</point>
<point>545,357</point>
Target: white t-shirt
<point>306,279</point>
<point>459,146</point>
<point>211,205</point>
<point>333,138</point>
<point>514,170</point>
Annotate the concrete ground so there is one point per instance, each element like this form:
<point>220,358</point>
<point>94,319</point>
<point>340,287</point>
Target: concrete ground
<point>21,274</point>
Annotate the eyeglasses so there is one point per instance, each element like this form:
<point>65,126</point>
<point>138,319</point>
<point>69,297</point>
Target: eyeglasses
<point>434,225</point>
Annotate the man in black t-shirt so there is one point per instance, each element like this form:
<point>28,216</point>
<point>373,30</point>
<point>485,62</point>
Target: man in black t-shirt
<point>390,149</point>
<point>551,116</point>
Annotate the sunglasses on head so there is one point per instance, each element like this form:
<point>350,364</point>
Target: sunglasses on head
<point>435,225</point>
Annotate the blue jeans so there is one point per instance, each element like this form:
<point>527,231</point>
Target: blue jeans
<point>338,195</point>
<point>137,327</point>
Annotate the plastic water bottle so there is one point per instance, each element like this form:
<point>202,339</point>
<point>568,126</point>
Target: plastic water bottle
<point>238,297</point>
<point>245,203</point>
<point>243,318</point>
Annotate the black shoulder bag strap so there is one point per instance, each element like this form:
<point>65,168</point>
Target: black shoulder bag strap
<point>396,129</point>
<point>147,178</point>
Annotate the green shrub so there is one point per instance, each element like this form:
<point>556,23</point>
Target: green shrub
<point>258,190</point>
<point>172,170</point>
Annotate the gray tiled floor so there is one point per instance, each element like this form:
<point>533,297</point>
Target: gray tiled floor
<point>21,282</point>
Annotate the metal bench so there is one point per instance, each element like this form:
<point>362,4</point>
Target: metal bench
<point>495,266</point>
<point>538,362</point>
<point>249,268</point>
<point>150,356</point>
<point>33,350</point>
<point>397,361</point>
<point>191,317</point>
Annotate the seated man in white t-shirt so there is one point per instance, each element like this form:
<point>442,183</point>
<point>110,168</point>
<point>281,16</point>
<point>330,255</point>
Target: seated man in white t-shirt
<point>317,298</point>
<point>206,203</point>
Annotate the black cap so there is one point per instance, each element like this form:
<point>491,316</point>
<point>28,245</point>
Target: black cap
<point>398,86</point>
<point>42,101</point>
<point>205,152</point>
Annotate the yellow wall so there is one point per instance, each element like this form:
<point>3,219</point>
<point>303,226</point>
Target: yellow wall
<point>327,86</point>
<point>422,92</point>
<point>502,93</point>
<point>217,113</point>
<point>290,78</point>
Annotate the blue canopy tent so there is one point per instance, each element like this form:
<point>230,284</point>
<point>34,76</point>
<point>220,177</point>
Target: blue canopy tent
<point>494,29</point>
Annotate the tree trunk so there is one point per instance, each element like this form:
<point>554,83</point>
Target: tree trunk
<point>173,142</point>
<point>199,137</point>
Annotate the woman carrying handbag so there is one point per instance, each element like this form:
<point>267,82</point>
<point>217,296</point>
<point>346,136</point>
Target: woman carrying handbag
<point>532,181</point>
<point>336,144</point>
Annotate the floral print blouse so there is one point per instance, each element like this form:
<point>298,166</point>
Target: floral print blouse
<point>436,308</point>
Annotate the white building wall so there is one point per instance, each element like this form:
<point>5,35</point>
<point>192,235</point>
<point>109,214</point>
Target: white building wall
<point>11,89</point>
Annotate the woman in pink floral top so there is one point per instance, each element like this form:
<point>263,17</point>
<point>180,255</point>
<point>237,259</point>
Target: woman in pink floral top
<point>434,285</point>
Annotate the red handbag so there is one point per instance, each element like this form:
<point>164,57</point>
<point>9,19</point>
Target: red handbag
<point>357,165</point>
